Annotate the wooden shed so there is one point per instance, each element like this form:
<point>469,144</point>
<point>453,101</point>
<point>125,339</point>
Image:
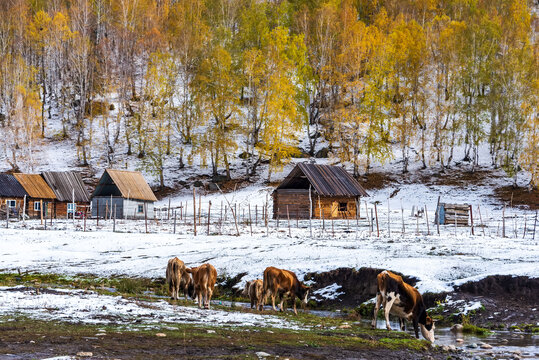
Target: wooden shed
<point>320,191</point>
<point>40,196</point>
<point>12,195</point>
<point>125,191</point>
<point>72,197</point>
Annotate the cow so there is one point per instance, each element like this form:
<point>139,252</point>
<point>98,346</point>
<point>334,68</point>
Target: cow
<point>178,279</point>
<point>404,301</point>
<point>283,283</point>
<point>204,278</point>
<point>254,291</point>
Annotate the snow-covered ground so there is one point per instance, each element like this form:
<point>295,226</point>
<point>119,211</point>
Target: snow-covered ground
<point>90,308</point>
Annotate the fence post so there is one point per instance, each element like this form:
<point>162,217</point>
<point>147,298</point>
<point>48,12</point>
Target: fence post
<point>194,212</point>
<point>427,220</point>
<point>168,209</point>
<point>146,216</point>
<point>114,220</point>
<point>534,224</point>
<point>481,219</point>
<point>503,221</point>
<point>209,216</point>
<point>402,218</point>
<point>288,217</point>
<point>376,214</point>
<point>97,213</point>
<point>199,209</point>
<point>388,219</point>
<point>85,214</point>
<point>524,234</point>
<point>371,220</point>
<point>174,228</point>
<point>7,216</point>
<point>437,216</point>
<point>24,209</point>
<point>250,221</point>
<point>471,219</point>
<point>41,211</point>
<point>256,215</point>
<point>310,212</point>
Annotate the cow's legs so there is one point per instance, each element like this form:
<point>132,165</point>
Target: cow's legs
<point>273,301</point>
<point>401,322</point>
<point>387,308</point>
<point>210,292</point>
<point>376,308</point>
<point>283,298</point>
<point>416,328</point>
<point>294,301</point>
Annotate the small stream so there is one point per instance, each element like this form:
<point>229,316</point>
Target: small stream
<point>505,344</point>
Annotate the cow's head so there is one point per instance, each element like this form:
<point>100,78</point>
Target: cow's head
<point>303,293</point>
<point>427,329</point>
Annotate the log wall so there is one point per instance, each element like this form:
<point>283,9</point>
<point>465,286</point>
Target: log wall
<point>298,202</point>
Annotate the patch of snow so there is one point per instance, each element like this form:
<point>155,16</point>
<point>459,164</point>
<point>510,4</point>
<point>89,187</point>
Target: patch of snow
<point>330,292</point>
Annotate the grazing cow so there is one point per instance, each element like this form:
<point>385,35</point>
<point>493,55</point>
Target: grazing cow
<point>283,283</point>
<point>254,291</point>
<point>204,278</point>
<point>178,278</point>
<point>404,301</point>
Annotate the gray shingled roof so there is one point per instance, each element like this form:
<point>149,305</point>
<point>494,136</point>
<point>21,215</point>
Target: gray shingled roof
<point>10,187</point>
<point>66,183</point>
<point>326,180</point>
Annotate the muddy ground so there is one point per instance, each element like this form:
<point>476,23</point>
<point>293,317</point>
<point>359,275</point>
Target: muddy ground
<point>507,300</point>
<point>35,339</point>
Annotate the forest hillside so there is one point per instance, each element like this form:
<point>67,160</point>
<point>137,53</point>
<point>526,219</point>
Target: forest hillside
<point>206,85</point>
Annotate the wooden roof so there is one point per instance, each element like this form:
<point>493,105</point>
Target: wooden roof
<point>127,184</point>
<point>65,184</point>
<point>35,186</point>
<point>326,180</point>
<point>10,187</point>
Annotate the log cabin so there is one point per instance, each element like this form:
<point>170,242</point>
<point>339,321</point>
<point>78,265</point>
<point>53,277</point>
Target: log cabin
<point>40,198</point>
<point>317,191</point>
<point>12,195</point>
<point>72,197</point>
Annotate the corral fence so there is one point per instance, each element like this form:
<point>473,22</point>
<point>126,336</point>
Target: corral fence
<point>203,215</point>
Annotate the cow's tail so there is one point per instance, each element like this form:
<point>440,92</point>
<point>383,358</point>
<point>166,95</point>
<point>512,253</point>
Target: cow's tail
<point>265,287</point>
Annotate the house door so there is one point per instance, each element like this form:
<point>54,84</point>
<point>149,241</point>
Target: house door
<point>334,209</point>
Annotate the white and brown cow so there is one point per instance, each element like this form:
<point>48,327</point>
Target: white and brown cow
<point>283,283</point>
<point>254,290</point>
<point>204,278</point>
<point>178,279</point>
<point>404,301</point>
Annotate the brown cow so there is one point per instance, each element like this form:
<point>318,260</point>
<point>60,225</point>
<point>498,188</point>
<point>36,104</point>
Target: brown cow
<point>204,278</point>
<point>254,291</point>
<point>178,278</point>
<point>283,283</point>
<point>404,301</point>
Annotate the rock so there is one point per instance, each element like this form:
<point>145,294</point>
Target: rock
<point>210,331</point>
<point>85,354</point>
<point>161,335</point>
<point>269,331</point>
<point>485,346</point>
<point>452,348</point>
<point>445,348</point>
<point>504,340</point>
<point>459,340</point>
<point>101,334</point>
<point>472,346</point>
<point>344,326</point>
<point>322,153</point>
<point>213,186</point>
<point>198,183</point>
<point>516,352</point>
<point>262,354</point>
<point>456,328</point>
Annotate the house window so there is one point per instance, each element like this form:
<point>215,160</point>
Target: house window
<point>37,206</point>
<point>11,203</point>
<point>70,208</point>
<point>343,206</point>
<point>140,208</point>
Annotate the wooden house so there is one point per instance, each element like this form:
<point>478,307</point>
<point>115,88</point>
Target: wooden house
<point>12,195</point>
<point>320,191</point>
<point>40,196</point>
<point>72,197</point>
<point>125,191</point>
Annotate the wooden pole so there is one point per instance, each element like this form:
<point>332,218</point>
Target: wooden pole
<point>534,224</point>
<point>376,214</point>
<point>388,219</point>
<point>437,216</point>
<point>310,212</point>
<point>367,214</point>
<point>24,210</point>
<point>503,221</point>
<point>106,209</point>
<point>174,228</point>
<point>7,216</point>
<point>524,233</point>
<point>417,223</point>
<point>266,216</point>
<point>256,215</point>
<point>250,221</point>
<point>199,208</point>
<point>209,216</point>
<point>471,219</point>
<point>45,220</point>
<point>51,215</point>
<point>114,220</point>
<point>221,218</point>
<point>146,216</point>
<point>371,228</point>
<point>321,214</point>
<point>97,213</point>
<point>194,212</point>
<point>455,223</point>
<point>168,209</point>
<point>110,216</point>
<point>427,219</point>
<point>357,213</point>
<point>85,216</point>
<point>481,219</point>
<point>288,217</point>
<point>402,218</point>
<point>41,210</point>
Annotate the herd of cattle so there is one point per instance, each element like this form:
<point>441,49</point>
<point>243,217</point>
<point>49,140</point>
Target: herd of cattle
<point>396,297</point>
